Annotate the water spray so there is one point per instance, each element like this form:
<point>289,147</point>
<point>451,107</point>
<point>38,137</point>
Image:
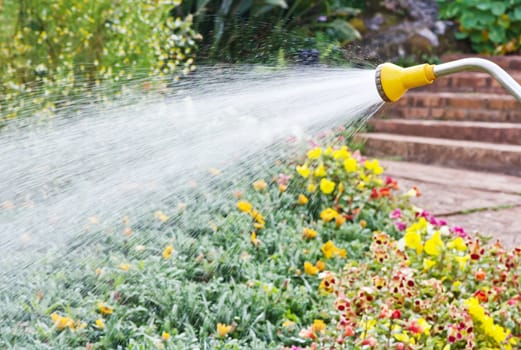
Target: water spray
<point>393,81</point>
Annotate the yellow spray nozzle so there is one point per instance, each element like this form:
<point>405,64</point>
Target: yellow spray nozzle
<point>393,81</point>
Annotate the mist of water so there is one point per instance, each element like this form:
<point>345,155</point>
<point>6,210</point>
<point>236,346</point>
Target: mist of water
<point>108,160</point>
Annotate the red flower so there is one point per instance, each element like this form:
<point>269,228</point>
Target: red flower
<point>481,296</point>
<point>369,341</point>
<point>397,314</point>
<point>385,192</point>
<point>415,328</point>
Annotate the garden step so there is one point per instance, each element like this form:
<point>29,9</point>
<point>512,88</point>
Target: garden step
<point>455,153</point>
<point>468,82</point>
<point>507,133</point>
<point>455,106</point>
<point>508,63</point>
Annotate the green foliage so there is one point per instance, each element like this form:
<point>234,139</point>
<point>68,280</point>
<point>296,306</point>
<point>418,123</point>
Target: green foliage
<point>254,31</point>
<point>217,272</point>
<point>492,26</point>
<point>62,48</point>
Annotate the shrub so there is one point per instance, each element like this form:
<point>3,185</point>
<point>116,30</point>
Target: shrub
<point>67,48</point>
<point>493,27</point>
<point>257,31</point>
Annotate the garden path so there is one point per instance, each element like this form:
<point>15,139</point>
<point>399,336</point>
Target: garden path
<point>477,201</point>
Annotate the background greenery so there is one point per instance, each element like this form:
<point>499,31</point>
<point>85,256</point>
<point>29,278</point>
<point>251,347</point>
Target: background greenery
<point>493,27</point>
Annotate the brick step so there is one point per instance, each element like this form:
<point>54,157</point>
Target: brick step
<point>473,155</point>
<point>468,82</point>
<point>455,106</point>
<point>509,63</point>
<point>505,133</point>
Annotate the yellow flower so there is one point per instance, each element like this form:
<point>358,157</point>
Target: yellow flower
<point>165,336</point>
<point>374,166</point>
<point>167,252</point>
<point>310,269</point>
<point>434,245</point>
<point>428,264</point>
<point>321,266</point>
<point>341,154</point>
<point>283,188</point>
<point>258,218</point>
<point>341,187</point>
<point>350,165</point>
<point>413,240</point>
<point>104,309</point>
<point>456,286</point>
<point>244,206</point>
<point>328,214</point>
<point>457,244</point>
<point>302,199</point>
<point>424,325</point>
<point>100,324</point>
<point>311,187</point>
<point>475,310</point>
<point>260,185</point>
<point>62,322</point>
<point>320,171</point>
<point>223,330</point>
<point>161,216</point>
<point>329,249</point>
<point>124,267</point>
<point>327,186</point>
<point>318,326</point>
<point>314,153</point>
<point>462,261</point>
<point>254,240</point>
<point>303,170</point>
<point>329,151</point>
<point>404,338</point>
<point>309,233</point>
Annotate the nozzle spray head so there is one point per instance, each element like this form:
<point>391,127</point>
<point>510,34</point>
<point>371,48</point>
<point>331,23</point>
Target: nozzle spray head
<point>393,81</point>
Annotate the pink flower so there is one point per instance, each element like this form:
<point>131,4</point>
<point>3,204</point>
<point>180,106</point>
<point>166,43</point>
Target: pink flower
<point>400,225</point>
<point>459,231</point>
<point>283,179</point>
<point>396,214</point>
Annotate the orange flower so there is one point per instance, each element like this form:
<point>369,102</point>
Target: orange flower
<point>480,275</point>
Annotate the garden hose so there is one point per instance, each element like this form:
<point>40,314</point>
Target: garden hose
<point>393,81</point>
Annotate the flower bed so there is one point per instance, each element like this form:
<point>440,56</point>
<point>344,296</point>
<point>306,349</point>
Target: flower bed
<point>323,253</point>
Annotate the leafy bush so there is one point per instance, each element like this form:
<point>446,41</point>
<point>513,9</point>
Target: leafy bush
<point>493,27</point>
<point>255,31</point>
<point>64,48</point>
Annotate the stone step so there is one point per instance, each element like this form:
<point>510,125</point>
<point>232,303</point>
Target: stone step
<point>455,106</point>
<point>474,82</point>
<point>472,155</point>
<point>509,63</point>
<point>505,133</point>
